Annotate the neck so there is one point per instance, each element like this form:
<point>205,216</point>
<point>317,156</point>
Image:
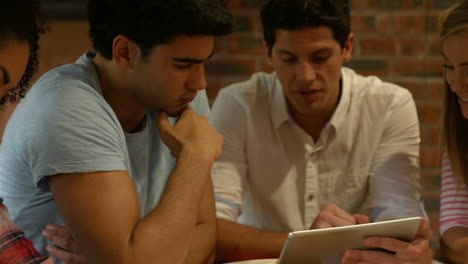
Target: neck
<point>313,128</point>
<point>117,93</point>
<point>314,122</point>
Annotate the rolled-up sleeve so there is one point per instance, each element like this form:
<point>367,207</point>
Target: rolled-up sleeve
<point>230,171</point>
<point>394,190</point>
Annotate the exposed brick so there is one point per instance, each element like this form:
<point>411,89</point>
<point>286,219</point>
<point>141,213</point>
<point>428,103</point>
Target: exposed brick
<point>430,157</point>
<point>230,67</point>
<point>430,181</point>
<point>409,23</point>
<point>244,23</point>
<point>234,4</point>
<point>393,4</point>
<point>382,4</point>
<point>369,66</point>
<point>370,23</point>
<point>220,45</point>
<point>246,44</point>
<point>431,136</point>
<point>423,90</point>
<point>433,45</point>
<point>355,4</point>
<point>413,45</point>
<point>436,90</point>
<point>378,45</point>
<point>249,4</point>
<point>419,68</point>
<point>432,204</point>
<point>442,4</point>
<point>429,113</point>
<point>432,23</point>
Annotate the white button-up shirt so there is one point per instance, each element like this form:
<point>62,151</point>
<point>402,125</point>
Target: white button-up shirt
<point>274,177</point>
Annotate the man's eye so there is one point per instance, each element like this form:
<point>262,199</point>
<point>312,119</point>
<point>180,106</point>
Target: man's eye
<point>321,59</point>
<point>288,59</point>
<point>448,67</point>
<point>183,66</point>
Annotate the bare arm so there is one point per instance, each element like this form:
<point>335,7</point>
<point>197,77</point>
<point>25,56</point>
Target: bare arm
<point>102,212</point>
<point>239,242</point>
<point>202,249</point>
<point>455,244</point>
<point>417,251</point>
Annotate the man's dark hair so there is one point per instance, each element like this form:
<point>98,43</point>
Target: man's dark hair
<point>301,14</point>
<point>20,20</point>
<point>152,22</point>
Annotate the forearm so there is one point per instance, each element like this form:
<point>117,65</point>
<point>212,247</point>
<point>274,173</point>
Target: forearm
<point>177,214</point>
<point>239,242</point>
<point>455,246</point>
<point>202,249</point>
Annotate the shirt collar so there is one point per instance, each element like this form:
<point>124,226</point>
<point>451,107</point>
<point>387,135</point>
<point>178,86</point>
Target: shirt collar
<point>279,108</point>
<point>342,108</point>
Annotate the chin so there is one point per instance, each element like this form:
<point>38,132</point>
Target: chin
<point>175,112</point>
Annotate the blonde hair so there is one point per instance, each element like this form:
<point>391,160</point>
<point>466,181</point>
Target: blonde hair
<point>455,21</point>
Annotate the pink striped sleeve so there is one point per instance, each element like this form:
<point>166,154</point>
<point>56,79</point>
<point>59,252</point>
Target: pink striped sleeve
<point>453,199</point>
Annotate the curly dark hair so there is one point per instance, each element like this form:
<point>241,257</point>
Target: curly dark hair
<point>21,20</point>
<point>152,22</point>
<point>300,14</point>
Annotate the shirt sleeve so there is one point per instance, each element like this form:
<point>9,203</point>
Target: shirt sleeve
<point>70,130</point>
<point>453,199</point>
<point>14,246</point>
<point>229,172</point>
<point>394,190</point>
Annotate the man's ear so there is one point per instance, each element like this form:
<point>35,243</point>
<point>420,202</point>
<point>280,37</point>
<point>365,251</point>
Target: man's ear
<point>124,51</point>
<point>348,48</point>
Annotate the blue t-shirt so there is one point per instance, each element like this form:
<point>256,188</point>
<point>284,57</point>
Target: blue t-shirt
<point>64,125</point>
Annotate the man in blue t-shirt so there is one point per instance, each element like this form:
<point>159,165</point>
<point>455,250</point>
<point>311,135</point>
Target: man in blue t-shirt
<point>117,145</point>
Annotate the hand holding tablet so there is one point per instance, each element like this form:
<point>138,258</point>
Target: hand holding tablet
<point>328,245</point>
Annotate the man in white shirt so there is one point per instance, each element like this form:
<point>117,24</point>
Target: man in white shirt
<point>314,145</point>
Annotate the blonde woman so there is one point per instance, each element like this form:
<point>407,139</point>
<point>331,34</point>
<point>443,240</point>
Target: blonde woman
<point>454,196</point>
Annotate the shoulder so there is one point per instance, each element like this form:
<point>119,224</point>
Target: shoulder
<point>74,79</point>
<point>258,88</point>
<point>374,89</point>
<point>65,98</point>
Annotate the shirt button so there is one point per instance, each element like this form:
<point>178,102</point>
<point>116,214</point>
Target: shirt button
<point>310,197</point>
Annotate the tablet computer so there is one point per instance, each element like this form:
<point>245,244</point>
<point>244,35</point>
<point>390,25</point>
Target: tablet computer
<point>327,245</point>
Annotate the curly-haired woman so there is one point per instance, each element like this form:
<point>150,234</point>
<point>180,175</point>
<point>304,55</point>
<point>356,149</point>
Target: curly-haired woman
<point>20,27</point>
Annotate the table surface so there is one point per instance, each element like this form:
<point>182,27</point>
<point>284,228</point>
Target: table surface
<point>273,261</point>
<point>255,261</point>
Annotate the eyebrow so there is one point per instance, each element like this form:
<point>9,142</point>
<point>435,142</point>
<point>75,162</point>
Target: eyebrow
<point>461,64</point>
<point>6,76</point>
<point>283,51</point>
<point>193,60</point>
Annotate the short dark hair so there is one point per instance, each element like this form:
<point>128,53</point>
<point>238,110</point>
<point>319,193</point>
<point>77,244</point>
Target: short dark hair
<point>152,22</point>
<point>300,14</point>
<point>21,20</point>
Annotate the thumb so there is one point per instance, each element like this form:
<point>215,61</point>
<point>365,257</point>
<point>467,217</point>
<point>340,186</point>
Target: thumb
<point>163,123</point>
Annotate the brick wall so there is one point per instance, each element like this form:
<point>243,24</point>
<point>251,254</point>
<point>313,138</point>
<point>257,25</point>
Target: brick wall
<point>400,46</point>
